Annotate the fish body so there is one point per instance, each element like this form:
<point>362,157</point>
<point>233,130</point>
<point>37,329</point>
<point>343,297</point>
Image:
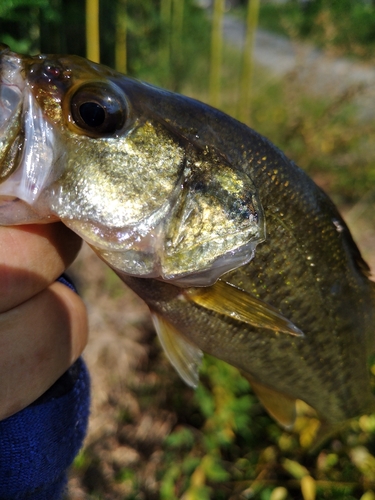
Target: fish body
<point>234,248</point>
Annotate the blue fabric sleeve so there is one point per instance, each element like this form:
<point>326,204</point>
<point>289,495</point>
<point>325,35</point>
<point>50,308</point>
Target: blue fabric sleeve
<point>39,443</point>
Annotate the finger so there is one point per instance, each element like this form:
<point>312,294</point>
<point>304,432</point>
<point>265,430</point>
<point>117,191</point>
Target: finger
<point>31,258</point>
<point>39,340</point>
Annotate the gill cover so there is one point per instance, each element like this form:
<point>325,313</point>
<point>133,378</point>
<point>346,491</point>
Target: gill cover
<point>76,146</point>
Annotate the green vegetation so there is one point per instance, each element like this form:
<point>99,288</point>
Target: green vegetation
<point>58,27</point>
<point>323,135</point>
<point>239,452</point>
<point>343,26</point>
<point>223,445</point>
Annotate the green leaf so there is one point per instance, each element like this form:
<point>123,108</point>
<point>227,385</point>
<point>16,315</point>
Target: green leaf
<point>181,438</point>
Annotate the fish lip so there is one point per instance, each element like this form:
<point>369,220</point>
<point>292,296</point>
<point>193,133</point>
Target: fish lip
<point>12,83</point>
<point>11,68</point>
<point>7,200</point>
<point>14,211</point>
<point>4,48</point>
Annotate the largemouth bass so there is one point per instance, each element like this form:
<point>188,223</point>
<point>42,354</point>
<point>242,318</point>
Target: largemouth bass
<point>235,250</point>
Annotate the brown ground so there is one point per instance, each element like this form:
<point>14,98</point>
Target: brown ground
<point>130,415</point>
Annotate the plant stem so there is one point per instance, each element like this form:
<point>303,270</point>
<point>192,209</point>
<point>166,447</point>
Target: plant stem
<point>165,48</point>
<point>92,30</point>
<point>216,52</point>
<point>247,61</point>
<point>120,47</point>
<point>178,17</point>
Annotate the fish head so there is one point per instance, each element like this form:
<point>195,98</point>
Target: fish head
<point>109,156</point>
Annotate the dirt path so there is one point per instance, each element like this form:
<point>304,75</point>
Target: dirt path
<point>325,73</point>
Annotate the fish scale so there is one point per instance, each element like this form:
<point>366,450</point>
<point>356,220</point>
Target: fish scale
<point>333,345</point>
<point>234,248</point>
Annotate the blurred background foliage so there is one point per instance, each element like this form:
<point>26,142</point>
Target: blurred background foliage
<point>155,33</point>
<point>222,444</point>
<point>343,26</point>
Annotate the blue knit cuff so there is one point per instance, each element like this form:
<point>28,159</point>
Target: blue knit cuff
<point>38,444</point>
<point>65,280</point>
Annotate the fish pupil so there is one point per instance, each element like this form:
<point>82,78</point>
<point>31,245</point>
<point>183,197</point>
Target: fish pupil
<point>92,114</point>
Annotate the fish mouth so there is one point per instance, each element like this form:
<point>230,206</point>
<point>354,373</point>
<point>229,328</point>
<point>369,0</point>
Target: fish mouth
<point>27,142</point>
<point>11,65</point>
<point>11,104</point>
<point>5,200</point>
<point>14,211</point>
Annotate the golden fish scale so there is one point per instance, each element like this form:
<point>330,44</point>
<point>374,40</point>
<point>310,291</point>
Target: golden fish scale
<point>108,181</point>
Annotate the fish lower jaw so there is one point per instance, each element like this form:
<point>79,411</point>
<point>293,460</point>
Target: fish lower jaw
<point>14,211</point>
<point>151,264</point>
<point>7,199</point>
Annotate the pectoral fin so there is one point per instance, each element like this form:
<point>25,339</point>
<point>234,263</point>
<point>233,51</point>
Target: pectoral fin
<point>280,406</point>
<point>231,301</point>
<point>184,356</point>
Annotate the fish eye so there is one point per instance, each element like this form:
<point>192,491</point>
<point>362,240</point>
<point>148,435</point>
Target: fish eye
<point>92,114</point>
<point>98,109</point>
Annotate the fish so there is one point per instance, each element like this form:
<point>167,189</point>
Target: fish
<point>235,250</point>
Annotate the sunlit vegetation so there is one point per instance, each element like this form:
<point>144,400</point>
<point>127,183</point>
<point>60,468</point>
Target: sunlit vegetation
<point>342,26</point>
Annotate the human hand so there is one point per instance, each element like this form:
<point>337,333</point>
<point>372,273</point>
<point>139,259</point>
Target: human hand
<point>43,324</point>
